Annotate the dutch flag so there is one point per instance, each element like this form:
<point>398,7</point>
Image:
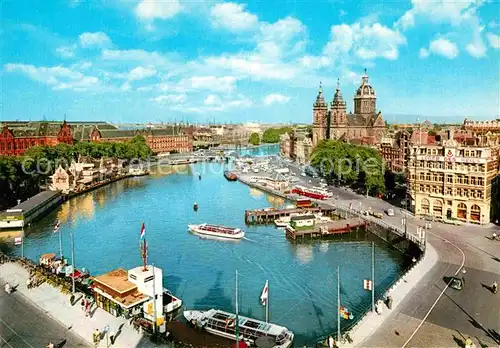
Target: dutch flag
<point>143,230</point>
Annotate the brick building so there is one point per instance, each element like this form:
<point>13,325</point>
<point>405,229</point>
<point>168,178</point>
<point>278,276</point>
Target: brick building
<point>17,137</point>
<point>166,139</point>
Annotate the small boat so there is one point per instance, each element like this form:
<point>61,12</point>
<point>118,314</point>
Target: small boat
<point>195,206</point>
<point>171,303</point>
<point>230,176</point>
<point>222,324</point>
<point>217,231</point>
<point>199,177</point>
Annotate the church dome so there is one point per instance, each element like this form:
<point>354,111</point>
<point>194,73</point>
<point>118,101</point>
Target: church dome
<point>365,90</point>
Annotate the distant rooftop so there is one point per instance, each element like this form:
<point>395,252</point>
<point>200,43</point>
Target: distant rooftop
<point>31,203</point>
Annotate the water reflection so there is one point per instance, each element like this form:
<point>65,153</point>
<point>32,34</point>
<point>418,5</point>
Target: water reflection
<point>255,193</point>
<point>323,246</point>
<point>304,253</point>
<point>275,201</point>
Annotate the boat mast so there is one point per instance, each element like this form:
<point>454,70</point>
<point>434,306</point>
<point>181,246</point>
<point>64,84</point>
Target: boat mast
<point>373,277</point>
<point>338,304</point>
<point>237,324</point>
<point>267,302</point>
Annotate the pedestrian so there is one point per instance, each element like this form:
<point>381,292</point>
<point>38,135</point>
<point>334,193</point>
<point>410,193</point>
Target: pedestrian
<point>112,337</point>
<point>28,283</point>
<point>96,336</point>
<point>494,287</point>
<point>468,343</point>
<point>50,345</point>
<point>87,307</point>
<point>82,304</point>
<point>331,342</point>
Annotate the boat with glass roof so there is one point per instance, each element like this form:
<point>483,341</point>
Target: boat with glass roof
<point>223,324</point>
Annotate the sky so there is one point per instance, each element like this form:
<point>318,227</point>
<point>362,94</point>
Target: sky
<point>198,61</point>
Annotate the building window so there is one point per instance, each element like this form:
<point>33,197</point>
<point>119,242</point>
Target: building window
<point>449,179</point>
<point>475,213</point>
<point>462,211</point>
<point>480,181</point>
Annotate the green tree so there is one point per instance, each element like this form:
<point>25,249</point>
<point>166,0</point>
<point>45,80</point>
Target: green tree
<point>272,135</point>
<point>254,139</point>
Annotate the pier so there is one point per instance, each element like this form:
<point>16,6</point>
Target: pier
<point>267,216</point>
<point>327,229</point>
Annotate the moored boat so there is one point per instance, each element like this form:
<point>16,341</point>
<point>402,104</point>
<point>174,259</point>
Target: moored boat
<point>316,193</point>
<point>222,323</point>
<point>230,176</point>
<point>217,231</point>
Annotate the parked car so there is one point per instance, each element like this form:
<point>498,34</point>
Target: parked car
<point>390,212</point>
<point>456,283</point>
<point>378,215</point>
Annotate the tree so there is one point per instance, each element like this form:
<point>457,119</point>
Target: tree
<point>432,132</point>
<point>272,135</point>
<point>349,164</point>
<point>254,139</point>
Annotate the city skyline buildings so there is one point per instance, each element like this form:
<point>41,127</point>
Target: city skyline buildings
<point>151,61</point>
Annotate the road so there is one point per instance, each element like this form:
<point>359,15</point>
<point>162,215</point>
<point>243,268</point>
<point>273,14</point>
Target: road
<point>432,315</point>
<point>23,325</point>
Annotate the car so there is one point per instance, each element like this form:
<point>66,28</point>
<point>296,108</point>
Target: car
<point>378,215</point>
<point>456,283</point>
<point>390,212</point>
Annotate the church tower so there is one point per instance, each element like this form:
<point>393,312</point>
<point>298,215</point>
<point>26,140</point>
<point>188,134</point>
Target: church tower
<point>320,110</point>
<point>338,117</point>
<point>365,98</point>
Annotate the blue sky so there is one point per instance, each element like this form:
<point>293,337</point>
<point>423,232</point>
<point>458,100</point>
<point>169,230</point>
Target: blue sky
<point>199,61</point>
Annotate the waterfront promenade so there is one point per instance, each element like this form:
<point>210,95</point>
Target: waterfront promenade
<point>57,306</point>
<point>431,314</point>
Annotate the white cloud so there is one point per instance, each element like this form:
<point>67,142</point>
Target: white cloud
<point>286,36</point>
<point>135,55</point>
<point>314,62</point>
<point>444,48</point>
<point>225,105</point>
<point>162,9</point>
<point>276,99</point>
<point>212,99</point>
<point>58,77</point>
<point>98,39</point>
<point>140,73</point>
<point>233,16</point>
<point>212,83</point>
<point>170,99</point>
<point>66,51</point>
<point>364,41</point>
<point>252,66</point>
<point>439,11</point>
<point>494,40</point>
<point>423,53</point>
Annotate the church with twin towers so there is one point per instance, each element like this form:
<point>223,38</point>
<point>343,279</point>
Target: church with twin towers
<point>331,121</point>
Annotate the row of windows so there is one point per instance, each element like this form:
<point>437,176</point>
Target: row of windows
<point>450,179</point>
<point>470,167</point>
<point>458,192</point>
<point>440,152</point>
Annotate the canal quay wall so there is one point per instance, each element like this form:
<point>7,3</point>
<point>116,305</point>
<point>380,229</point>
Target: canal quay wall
<point>423,259</point>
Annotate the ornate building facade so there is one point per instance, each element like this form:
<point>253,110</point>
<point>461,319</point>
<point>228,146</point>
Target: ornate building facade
<point>455,179</point>
<point>365,125</point>
<point>492,126</point>
<point>296,146</point>
<point>17,137</point>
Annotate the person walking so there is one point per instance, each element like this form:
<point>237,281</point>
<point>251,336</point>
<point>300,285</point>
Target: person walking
<point>494,287</point>
<point>468,343</point>
<point>112,337</point>
<point>331,342</point>
<point>82,304</point>
<point>96,336</point>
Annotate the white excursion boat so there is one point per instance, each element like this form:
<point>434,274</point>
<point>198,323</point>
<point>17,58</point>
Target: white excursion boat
<point>171,303</point>
<point>222,323</point>
<point>217,231</point>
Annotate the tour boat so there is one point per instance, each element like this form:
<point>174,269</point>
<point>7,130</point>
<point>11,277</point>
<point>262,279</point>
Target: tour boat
<point>316,193</point>
<point>217,231</point>
<point>230,176</point>
<point>171,303</point>
<point>222,323</point>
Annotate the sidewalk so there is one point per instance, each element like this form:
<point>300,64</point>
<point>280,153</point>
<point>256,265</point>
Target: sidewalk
<point>56,305</point>
<point>372,321</point>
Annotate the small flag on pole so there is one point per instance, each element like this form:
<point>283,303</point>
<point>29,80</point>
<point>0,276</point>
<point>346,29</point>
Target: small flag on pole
<point>57,226</point>
<point>143,230</point>
<point>263,296</point>
<point>18,240</point>
<point>367,284</point>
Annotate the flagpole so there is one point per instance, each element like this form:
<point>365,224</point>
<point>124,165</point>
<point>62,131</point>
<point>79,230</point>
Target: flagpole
<point>338,304</point>
<point>60,244</point>
<point>373,277</point>
<point>154,299</point>
<point>73,261</point>
<point>267,302</point>
<point>236,324</point>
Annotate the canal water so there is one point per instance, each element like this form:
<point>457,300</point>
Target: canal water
<point>302,277</point>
